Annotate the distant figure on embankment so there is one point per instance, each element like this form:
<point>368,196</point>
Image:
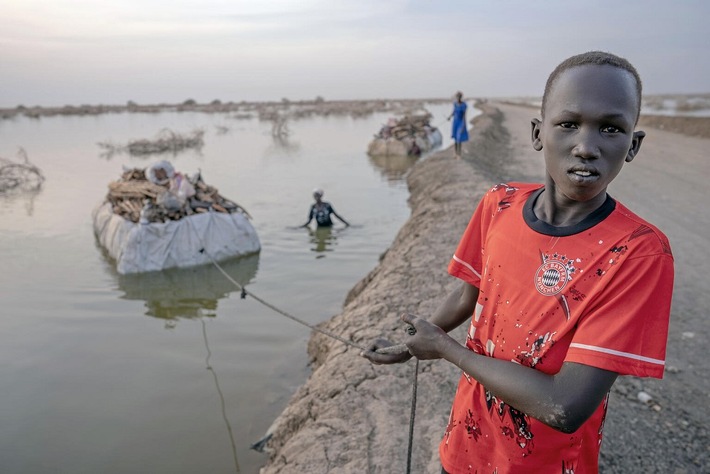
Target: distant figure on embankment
<point>459,132</point>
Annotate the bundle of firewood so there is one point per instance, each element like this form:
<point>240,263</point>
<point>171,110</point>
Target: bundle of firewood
<point>135,198</point>
<point>128,198</point>
<point>207,197</point>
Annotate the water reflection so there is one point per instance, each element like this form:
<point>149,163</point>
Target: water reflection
<point>192,293</point>
<point>24,198</point>
<point>283,145</point>
<point>393,167</point>
<point>187,292</point>
<point>323,239</point>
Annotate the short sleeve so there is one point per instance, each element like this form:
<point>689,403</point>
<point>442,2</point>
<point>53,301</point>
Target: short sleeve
<point>466,263</point>
<point>627,330</point>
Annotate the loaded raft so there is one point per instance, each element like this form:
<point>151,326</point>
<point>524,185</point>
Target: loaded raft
<point>155,218</point>
<point>409,135</point>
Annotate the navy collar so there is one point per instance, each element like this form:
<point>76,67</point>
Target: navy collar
<point>598,215</point>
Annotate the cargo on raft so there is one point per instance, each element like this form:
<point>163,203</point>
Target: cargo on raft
<point>154,219</point>
<point>410,135</point>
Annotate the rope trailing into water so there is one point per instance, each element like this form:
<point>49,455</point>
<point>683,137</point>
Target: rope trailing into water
<point>394,349</point>
<point>412,412</point>
<point>221,398</point>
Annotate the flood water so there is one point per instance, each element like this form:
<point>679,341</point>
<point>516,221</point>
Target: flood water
<point>173,372</point>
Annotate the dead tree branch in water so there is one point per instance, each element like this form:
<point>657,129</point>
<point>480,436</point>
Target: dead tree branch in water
<point>19,176</point>
<point>166,141</point>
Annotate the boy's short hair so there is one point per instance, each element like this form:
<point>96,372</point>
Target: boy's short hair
<point>599,58</point>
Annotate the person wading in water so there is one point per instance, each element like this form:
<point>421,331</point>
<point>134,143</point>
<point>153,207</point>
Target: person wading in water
<point>321,211</point>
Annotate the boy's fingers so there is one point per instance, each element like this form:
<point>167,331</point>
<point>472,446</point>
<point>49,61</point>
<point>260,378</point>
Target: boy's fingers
<point>409,318</point>
<point>373,356</point>
<point>379,343</point>
<point>372,353</point>
<point>377,358</point>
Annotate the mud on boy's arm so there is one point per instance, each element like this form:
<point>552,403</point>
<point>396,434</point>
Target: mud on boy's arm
<point>563,401</point>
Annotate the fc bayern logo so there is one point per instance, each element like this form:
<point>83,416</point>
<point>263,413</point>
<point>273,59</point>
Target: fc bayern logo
<point>551,277</point>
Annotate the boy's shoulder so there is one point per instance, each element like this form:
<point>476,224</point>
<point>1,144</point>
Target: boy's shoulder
<point>653,237</point>
<point>505,195</point>
<point>513,188</point>
<point>516,185</point>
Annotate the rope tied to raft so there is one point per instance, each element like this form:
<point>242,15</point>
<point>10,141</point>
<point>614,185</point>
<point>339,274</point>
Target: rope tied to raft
<point>394,349</point>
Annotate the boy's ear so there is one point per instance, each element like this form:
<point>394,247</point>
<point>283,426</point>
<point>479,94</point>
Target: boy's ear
<point>535,136</point>
<point>635,145</point>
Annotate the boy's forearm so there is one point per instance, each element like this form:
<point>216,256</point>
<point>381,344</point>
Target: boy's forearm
<point>562,401</point>
<point>517,385</point>
<point>456,308</point>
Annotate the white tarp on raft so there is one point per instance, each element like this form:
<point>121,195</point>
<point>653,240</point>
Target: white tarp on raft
<point>181,243</point>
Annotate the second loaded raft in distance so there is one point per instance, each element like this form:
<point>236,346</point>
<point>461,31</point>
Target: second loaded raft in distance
<point>406,136</point>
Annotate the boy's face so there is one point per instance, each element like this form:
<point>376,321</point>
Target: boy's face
<point>587,131</point>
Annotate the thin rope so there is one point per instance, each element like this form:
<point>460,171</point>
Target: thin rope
<point>221,398</point>
<point>395,349</point>
<point>412,412</point>
<point>390,350</point>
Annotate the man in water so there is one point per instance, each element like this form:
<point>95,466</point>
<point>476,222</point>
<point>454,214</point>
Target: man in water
<point>321,211</point>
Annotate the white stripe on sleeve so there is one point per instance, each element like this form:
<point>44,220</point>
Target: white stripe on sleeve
<point>618,353</point>
<point>466,265</point>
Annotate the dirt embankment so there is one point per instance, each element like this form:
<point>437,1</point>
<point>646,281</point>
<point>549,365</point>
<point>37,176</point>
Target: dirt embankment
<point>352,417</point>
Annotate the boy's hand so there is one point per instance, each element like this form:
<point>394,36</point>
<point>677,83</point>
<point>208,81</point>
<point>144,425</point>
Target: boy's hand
<point>428,339</point>
<point>377,358</point>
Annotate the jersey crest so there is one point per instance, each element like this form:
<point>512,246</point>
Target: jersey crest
<point>552,276</point>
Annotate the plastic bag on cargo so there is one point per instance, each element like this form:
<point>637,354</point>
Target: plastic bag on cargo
<point>181,187</point>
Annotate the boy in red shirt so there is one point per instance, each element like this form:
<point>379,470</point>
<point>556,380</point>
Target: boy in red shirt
<point>564,287</point>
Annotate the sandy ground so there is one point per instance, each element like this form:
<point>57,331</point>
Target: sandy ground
<point>352,417</point>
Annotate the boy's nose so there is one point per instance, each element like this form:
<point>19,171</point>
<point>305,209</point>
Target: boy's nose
<point>587,146</point>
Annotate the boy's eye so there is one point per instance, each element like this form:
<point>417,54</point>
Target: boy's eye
<point>568,125</point>
<point>611,129</point>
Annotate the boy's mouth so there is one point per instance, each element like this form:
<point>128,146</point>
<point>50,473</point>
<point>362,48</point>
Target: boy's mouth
<point>582,174</point>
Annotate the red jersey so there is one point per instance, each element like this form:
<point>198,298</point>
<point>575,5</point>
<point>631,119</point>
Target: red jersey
<point>596,293</point>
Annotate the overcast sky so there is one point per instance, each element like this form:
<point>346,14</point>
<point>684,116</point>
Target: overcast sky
<point>57,52</point>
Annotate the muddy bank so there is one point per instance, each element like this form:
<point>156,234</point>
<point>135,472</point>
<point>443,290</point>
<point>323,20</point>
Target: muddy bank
<point>351,416</point>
